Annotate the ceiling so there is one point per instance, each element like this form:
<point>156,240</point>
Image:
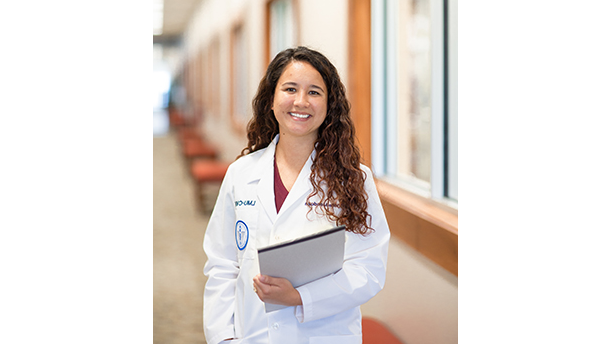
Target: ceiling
<point>177,14</point>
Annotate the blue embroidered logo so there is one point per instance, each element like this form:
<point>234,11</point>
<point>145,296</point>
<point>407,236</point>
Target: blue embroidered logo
<point>243,203</point>
<point>242,235</point>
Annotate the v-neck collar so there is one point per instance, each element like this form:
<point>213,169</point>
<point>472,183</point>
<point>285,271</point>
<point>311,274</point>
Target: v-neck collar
<point>280,191</point>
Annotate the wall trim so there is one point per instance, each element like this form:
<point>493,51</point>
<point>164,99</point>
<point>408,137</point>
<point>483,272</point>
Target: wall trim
<point>425,225</point>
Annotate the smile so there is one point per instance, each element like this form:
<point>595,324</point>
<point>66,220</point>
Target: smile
<point>298,115</point>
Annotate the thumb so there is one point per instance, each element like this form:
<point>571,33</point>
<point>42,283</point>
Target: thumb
<point>264,279</point>
<point>269,280</point>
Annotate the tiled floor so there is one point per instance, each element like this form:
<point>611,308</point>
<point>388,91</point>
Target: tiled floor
<point>178,257</point>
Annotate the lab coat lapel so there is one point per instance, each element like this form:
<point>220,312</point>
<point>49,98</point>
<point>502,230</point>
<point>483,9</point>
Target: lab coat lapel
<point>300,187</point>
<point>264,171</point>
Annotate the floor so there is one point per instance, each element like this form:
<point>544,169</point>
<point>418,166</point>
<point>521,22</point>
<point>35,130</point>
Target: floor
<point>178,231</point>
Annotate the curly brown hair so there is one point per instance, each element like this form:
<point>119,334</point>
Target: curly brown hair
<point>337,159</point>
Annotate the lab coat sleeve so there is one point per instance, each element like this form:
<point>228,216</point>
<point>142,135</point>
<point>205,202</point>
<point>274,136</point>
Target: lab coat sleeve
<point>221,267</point>
<point>363,272</point>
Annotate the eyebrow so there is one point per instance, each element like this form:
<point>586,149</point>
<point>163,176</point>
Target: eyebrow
<point>291,83</point>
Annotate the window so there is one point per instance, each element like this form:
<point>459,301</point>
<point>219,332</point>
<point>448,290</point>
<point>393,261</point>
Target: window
<point>161,78</point>
<point>212,81</point>
<point>413,130</point>
<point>414,98</point>
<point>281,26</point>
<point>240,99</point>
<point>199,83</point>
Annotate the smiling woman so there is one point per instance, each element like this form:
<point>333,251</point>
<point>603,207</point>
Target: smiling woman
<point>302,170</point>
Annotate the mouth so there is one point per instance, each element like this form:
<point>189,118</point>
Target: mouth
<point>299,115</point>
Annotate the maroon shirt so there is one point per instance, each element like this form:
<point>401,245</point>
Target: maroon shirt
<point>280,192</point>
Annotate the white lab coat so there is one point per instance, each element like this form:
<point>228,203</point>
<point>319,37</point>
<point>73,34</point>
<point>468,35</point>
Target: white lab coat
<point>245,219</point>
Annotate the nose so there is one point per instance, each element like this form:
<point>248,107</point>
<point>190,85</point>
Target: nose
<point>301,99</point>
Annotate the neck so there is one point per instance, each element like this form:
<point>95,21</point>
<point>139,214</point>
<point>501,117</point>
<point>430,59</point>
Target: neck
<point>294,151</point>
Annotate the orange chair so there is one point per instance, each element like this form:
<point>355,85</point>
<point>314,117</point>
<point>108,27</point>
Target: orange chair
<point>198,148</point>
<point>176,118</point>
<point>207,172</point>
<point>374,332</point>
<point>187,133</point>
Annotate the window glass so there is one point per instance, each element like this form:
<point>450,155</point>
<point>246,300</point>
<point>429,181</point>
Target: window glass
<point>414,91</point>
<point>161,78</point>
<point>281,26</point>
<point>240,98</point>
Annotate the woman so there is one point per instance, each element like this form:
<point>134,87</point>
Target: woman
<point>299,174</point>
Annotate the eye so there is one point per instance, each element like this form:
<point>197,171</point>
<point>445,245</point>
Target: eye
<point>290,89</point>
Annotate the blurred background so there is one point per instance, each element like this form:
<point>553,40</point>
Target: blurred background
<point>399,61</point>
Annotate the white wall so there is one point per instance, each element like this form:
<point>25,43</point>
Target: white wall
<point>419,302</point>
<point>324,27</point>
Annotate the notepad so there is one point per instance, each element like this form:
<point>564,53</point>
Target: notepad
<point>304,259</point>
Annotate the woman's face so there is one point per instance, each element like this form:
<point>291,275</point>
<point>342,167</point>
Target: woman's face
<point>300,101</point>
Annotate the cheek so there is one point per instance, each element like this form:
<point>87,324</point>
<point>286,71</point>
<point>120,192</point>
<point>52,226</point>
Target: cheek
<point>278,102</point>
<point>323,109</point>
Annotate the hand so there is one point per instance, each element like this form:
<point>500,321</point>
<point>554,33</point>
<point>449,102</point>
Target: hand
<point>276,290</point>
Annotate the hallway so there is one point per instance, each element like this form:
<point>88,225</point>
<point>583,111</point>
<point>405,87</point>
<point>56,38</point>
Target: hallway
<point>178,258</point>
<point>407,134</point>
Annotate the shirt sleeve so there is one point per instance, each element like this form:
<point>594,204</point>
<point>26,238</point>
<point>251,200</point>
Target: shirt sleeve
<point>363,272</point>
<point>221,267</point>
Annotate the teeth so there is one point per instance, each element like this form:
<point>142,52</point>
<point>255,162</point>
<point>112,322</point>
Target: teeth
<point>298,115</point>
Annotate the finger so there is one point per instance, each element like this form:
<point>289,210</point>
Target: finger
<point>263,281</point>
<point>261,278</point>
<point>256,282</point>
<point>270,281</point>
<point>276,282</point>
<point>263,290</point>
<point>261,287</point>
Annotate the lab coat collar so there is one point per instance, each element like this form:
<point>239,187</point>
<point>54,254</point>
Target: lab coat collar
<point>264,164</point>
<point>264,173</point>
<point>300,187</point>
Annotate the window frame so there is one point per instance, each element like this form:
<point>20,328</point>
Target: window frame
<point>295,20</point>
<point>384,100</point>
<point>428,225</point>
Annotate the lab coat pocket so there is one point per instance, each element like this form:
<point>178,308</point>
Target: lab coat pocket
<point>350,339</point>
<point>244,293</point>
